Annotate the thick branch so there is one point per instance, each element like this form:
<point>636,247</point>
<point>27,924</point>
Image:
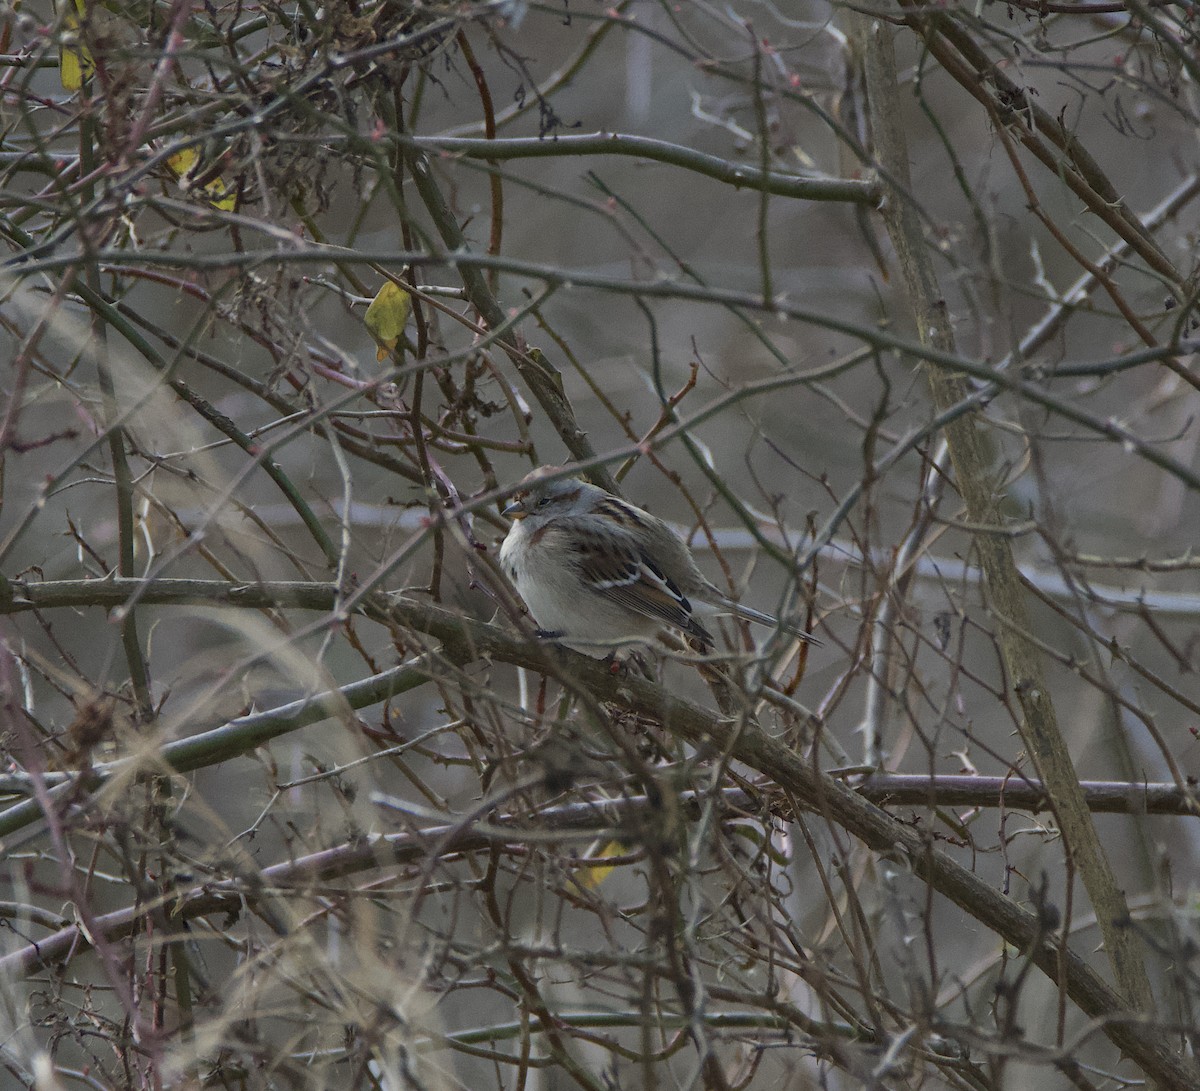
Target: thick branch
<point>1039,729</point>
<point>810,187</point>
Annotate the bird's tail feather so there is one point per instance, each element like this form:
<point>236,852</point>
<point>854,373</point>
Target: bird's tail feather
<point>750,614</point>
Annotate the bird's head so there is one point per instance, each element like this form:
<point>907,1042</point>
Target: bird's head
<point>546,492</point>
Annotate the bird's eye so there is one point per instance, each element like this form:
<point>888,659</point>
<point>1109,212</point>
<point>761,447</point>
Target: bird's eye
<point>543,502</point>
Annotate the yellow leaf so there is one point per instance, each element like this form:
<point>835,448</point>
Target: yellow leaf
<point>592,876</point>
<point>184,162</point>
<point>220,195</point>
<point>387,316</point>
<point>75,62</point>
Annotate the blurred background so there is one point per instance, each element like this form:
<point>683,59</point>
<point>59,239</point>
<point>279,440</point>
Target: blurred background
<point>200,203</point>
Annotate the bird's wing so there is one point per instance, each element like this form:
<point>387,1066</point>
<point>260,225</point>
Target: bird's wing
<point>615,566</point>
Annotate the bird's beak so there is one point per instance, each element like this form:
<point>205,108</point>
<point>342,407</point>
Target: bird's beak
<point>515,509</point>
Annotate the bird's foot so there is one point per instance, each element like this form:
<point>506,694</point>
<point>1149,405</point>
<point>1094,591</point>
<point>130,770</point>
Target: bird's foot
<point>626,663</point>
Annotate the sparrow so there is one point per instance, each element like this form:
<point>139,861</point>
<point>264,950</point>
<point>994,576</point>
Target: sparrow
<point>598,573</point>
